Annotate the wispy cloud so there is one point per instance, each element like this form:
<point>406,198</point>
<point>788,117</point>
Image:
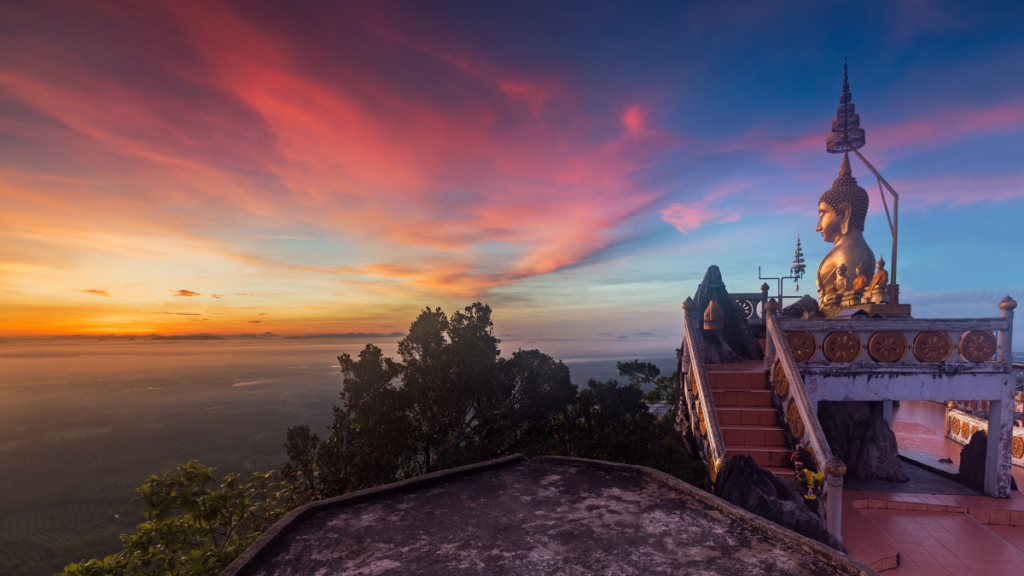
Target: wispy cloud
<point>185,293</point>
<point>179,313</point>
<point>217,296</point>
<point>96,291</point>
<point>255,321</point>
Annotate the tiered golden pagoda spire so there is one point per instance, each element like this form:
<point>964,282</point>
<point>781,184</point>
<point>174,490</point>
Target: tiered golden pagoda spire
<point>846,131</point>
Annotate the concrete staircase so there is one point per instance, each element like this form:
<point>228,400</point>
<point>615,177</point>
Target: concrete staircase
<point>749,425</point>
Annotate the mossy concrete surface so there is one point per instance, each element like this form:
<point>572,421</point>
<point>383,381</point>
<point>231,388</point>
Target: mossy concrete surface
<point>541,516</point>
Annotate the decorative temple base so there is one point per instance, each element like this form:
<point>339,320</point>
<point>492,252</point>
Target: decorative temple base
<point>872,309</point>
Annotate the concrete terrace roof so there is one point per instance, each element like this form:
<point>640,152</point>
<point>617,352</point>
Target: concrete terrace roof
<point>541,516</point>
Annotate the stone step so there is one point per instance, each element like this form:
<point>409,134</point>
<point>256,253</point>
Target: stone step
<point>765,456</point>
<point>784,473</point>
<point>753,436</point>
<point>746,398</point>
<point>737,380</point>
<point>731,415</point>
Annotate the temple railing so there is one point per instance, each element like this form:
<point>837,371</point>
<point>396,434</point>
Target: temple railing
<point>748,302</point>
<point>802,419</point>
<point>698,396</point>
<point>872,359</point>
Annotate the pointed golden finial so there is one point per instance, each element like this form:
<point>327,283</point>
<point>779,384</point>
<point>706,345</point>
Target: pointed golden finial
<point>1007,303</point>
<point>844,168</point>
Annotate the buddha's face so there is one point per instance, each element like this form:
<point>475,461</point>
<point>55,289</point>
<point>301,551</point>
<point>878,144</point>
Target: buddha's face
<point>830,222</point>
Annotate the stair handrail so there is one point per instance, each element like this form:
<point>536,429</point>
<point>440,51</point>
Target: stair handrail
<point>833,468</point>
<point>716,444</point>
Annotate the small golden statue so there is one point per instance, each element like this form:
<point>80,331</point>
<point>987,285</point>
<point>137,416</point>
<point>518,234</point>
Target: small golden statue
<point>880,284</point>
<point>881,277</point>
<point>861,281</point>
<point>842,283</point>
<point>841,213</point>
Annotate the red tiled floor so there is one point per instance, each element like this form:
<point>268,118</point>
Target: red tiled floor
<point>919,425</point>
<point>935,543</point>
<point>938,543</point>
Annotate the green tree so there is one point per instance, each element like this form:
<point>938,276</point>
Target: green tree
<point>640,373</point>
<point>194,527</point>
<point>453,400</point>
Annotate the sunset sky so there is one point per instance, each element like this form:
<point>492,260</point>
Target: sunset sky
<point>229,167</point>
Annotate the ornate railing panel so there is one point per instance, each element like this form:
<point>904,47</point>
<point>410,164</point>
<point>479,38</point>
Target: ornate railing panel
<point>907,359</point>
<point>697,390</point>
<point>802,420</point>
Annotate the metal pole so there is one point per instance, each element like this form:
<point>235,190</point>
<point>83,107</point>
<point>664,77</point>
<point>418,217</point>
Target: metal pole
<point>895,210</point>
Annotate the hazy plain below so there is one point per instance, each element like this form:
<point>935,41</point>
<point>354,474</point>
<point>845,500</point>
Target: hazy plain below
<point>84,421</point>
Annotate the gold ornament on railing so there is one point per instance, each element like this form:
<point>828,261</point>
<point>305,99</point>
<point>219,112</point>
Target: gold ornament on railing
<point>932,346</point>
<point>779,380</point>
<point>977,345</point>
<point>841,347</point>
<point>796,424</point>
<point>887,346</point>
<point>802,345</point>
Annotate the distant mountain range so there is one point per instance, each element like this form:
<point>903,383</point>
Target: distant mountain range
<point>348,335</point>
<point>191,337</point>
<point>205,336</point>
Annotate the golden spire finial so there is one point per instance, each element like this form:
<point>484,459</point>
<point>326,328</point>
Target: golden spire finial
<point>844,168</point>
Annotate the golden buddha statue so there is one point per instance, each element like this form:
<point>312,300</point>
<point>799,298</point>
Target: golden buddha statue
<point>861,281</point>
<point>842,283</point>
<point>880,284</point>
<point>881,277</point>
<point>841,213</point>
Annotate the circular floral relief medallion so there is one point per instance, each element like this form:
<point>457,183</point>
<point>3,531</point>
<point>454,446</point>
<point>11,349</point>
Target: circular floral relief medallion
<point>1018,447</point>
<point>748,308</point>
<point>887,346</point>
<point>796,424</point>
<point>965,430</point>
<point>841,347</point>
<point>802,345</point>
<point>973,430</point>
<point>700,419</point>
<point>954,425</point>
<point>693,380</point>
<point>779,379</point>
<point>932,346</point>
<point>977,345</point>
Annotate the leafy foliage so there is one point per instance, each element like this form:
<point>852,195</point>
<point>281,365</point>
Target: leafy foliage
<point>194,526</point>
<point>640,373</point>
<point>451,401</point>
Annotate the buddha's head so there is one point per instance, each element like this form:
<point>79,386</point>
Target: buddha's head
<point>843,207</point>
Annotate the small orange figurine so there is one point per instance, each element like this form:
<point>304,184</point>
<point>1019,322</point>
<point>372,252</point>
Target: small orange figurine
<point>881,277</point>
<point>861,281</point>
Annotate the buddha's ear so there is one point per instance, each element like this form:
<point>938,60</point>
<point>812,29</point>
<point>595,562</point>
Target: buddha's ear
<point>843,212</point>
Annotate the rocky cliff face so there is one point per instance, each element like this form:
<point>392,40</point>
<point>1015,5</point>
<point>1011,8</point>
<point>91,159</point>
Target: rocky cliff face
<point>743,483</point>
<point>862,439</point>
<point>736,341</point>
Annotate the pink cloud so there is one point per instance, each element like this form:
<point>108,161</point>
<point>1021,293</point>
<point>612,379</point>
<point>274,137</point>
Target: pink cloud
<point>505,158</point>
<point>689,217</point>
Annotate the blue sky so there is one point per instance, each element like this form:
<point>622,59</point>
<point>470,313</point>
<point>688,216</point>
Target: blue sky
<point>336,168</point>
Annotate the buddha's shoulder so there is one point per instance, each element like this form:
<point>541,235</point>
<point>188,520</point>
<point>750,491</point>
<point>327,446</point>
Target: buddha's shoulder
<point>854,249</point>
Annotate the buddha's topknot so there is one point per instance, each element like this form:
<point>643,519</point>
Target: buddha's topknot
<point>846,191</point>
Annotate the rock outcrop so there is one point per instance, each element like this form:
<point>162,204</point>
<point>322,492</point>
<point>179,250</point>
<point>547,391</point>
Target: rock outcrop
<point>736,341</point>
<point>745,484</point>
<point>972,461</point>
<point>862,439</point>
<point>801,308</point>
